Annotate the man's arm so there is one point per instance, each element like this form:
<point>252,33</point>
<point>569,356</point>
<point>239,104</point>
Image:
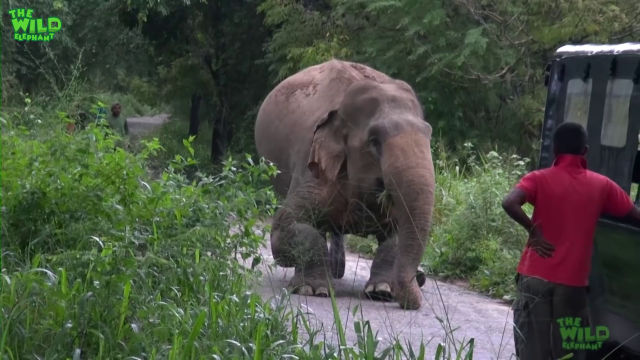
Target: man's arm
<point>634,216</point>
<point>618,203</point>
<point>512,205</point>
<point>526,192</point>
<point>126,127</point>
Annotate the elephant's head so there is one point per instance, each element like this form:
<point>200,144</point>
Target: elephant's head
<point>375,140</point>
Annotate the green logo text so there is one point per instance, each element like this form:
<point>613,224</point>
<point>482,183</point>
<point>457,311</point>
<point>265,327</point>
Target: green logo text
<point>577,337</point>
<point>29,29</point>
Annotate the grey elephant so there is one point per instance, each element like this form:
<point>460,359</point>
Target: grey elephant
<point>354,154</point>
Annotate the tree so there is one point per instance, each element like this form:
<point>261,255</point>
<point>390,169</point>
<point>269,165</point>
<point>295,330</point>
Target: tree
<point>225,40</point>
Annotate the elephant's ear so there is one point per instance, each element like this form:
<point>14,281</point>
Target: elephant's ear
<point>327,149</point>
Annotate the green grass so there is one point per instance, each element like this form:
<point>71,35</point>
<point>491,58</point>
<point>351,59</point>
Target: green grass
<point>99,261</point>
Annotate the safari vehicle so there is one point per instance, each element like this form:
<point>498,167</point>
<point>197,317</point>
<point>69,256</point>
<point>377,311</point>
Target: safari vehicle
<point>598,86</point>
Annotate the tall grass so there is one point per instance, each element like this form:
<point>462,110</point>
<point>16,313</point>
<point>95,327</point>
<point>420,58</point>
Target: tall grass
<point>472,237</point>
<point>100,262</point>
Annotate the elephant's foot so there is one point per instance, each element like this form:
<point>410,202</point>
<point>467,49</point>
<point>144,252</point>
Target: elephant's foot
<point>380,284</point>
<point>379,289</point>
<point>408,295</point>
<point>337,256</point>
<point>312,282</point>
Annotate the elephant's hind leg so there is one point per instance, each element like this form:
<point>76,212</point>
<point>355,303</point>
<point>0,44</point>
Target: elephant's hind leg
<point>337,255</point>
<point>301,246</point>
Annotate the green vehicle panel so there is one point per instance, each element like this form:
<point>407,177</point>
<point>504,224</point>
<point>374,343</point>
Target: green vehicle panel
<point>598,86</point>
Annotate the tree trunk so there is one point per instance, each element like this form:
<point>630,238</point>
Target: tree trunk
<point>194,118</point>
<point>220,135</point>
<point>218,145</point>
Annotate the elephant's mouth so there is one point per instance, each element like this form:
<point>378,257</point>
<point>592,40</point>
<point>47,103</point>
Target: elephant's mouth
<point>383,198</point>
<point>383,202</point>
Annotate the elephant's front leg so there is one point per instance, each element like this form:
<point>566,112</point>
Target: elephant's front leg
<point>300,245</point>
<point>381,278</point>
<point>380,284</point>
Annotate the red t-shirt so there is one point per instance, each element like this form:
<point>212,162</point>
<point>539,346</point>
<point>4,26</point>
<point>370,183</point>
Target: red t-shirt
<point>568,200</point>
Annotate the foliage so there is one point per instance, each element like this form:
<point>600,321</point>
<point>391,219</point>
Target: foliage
<point>477,66</point>
<point>172,136</point>
<point>95,253</point>
<point>472,236</point>
<point>92,44</point>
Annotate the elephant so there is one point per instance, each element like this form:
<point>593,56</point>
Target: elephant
<point>353,150</point>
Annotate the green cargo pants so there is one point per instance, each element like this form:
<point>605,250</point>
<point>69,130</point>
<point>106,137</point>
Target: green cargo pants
<point>536,310</point>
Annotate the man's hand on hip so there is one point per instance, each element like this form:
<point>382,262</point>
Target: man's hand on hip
<point>539,243</point>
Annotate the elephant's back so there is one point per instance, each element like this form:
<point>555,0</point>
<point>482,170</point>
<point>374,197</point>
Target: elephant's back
<point>287,117</point>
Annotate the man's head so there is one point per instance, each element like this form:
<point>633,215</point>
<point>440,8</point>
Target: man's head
<point>570,139</point>
<point>115,109</point>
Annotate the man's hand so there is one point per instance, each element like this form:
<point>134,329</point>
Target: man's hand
<point>512,205</point>
<point>539,243</point>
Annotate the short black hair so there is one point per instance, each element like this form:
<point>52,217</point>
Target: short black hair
<point>570,138</point>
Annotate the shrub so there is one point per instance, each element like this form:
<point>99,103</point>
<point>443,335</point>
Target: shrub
<point>100,262</point>
<point>172,136</point>
<point>472,238</point>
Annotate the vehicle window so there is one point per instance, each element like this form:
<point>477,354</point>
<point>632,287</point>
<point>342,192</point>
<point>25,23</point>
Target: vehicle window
<point>616,113</point>
<point>578,98</point>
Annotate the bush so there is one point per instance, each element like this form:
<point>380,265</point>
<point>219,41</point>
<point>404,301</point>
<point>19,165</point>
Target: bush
<point>100,262</point>
<point>172,136</point>
<point>472,237</point>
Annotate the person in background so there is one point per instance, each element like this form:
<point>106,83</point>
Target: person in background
<point>118,123</point>
<point>552,276</point>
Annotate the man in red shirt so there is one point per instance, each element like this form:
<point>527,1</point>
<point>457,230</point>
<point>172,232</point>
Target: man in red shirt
<point>552,279</point>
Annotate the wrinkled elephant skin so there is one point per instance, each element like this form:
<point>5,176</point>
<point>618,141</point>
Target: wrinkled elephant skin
<point>354,154</point>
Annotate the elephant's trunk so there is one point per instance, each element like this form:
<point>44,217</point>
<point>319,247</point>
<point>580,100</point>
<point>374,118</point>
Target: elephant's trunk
<point>408,173</point>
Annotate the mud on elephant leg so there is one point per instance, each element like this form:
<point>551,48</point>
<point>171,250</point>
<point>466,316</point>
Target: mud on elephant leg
<point>379,286</point>
<point>337,255</point>
<point>301,246</point>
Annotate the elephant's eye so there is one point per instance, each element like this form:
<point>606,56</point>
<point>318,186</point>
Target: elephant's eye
<point>375,144</point>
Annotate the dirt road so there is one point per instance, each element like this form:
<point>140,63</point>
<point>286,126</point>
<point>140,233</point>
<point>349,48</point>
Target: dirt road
<point>450,314</point>
<point>139,126</point>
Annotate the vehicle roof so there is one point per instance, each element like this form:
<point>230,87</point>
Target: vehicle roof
<point>598,49</point>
